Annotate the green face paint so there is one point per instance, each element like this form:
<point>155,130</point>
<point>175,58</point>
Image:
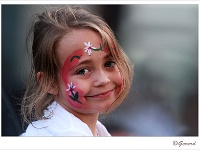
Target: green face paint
<point>88,48</point>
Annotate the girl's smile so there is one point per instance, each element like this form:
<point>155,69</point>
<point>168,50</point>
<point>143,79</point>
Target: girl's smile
<point>101,95</point>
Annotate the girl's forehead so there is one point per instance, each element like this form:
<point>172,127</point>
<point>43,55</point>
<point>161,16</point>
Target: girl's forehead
<point>84,39</point>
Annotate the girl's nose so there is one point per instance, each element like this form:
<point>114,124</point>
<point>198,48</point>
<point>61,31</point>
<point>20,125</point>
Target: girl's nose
<point>101,79</point>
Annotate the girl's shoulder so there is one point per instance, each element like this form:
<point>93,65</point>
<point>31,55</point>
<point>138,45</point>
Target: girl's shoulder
<point>59,122</point>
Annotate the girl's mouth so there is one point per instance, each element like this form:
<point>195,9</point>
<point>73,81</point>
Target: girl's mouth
<point>102,95</point>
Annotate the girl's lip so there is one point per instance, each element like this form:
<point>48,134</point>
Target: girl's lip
<point>102,95</point>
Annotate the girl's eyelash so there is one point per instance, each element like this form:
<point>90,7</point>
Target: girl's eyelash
<point>110,63</point>
<point>82,71</point>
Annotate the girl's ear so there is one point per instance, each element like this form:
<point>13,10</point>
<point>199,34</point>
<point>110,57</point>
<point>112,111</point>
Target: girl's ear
<point>39,75</point>
<point>52,89</point>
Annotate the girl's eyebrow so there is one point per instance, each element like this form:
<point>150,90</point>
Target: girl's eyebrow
<point>89,61</point>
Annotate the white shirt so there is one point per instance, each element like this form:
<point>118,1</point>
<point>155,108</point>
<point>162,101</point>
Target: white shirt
<point>62,123</point>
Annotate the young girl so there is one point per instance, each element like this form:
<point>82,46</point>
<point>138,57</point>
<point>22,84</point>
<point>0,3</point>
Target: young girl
<point>78,72</point>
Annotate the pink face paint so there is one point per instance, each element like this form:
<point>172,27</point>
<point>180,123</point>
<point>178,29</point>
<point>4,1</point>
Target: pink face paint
<point>119,88</point>
<point>76,97</point>
<point>71,62</point>
<point>106,50</point>
<point>73,94</point>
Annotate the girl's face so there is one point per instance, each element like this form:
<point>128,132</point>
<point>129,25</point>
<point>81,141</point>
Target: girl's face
<point>90,80</point>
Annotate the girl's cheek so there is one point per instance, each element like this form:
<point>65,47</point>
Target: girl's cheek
<point>75,96</point>
<point>119,82</point>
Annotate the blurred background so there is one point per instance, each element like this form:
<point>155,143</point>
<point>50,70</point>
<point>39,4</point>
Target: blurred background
<point>162,43</point>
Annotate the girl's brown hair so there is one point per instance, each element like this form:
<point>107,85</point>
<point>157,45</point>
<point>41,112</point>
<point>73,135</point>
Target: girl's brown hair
<point>45,33</point>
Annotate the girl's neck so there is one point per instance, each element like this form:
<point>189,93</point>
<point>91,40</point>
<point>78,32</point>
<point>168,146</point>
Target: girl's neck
<point>90,120</point>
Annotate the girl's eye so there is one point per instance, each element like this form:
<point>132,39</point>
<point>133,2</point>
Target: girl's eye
<point>110,64</point>
<point>82,71</point>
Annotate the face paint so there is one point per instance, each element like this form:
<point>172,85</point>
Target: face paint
<point>72,92</point>
<point>120,85</point>
<point>74,96</point>
<point>88,48</point>
<point>71,62</point>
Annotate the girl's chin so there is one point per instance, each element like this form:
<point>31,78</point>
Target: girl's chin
<point>93,105</point>
<point>91,110</point>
